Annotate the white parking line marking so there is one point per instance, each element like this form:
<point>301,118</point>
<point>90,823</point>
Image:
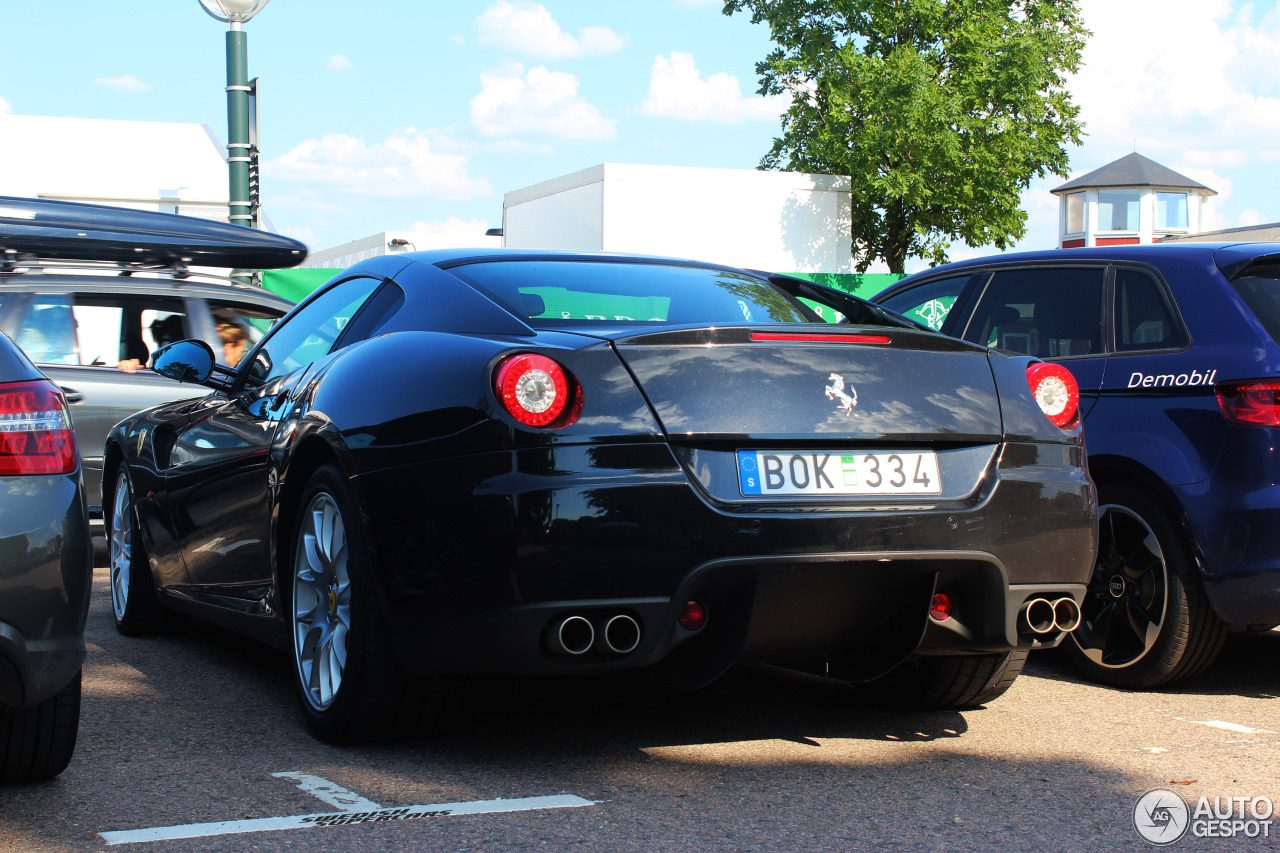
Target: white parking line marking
<point>329,792</point>
<point>1232,727</point>
<point>268,824</point>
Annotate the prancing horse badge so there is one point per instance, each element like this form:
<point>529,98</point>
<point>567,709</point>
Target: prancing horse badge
<point>836,391</point>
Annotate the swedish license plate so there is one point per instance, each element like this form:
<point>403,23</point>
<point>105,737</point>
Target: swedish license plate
<point>881,472</point>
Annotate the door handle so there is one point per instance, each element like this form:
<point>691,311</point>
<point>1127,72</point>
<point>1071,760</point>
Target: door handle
<point>72,396</point>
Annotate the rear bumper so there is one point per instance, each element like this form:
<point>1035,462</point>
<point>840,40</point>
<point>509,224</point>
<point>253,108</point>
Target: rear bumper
<point>478,557</point>
<point>1239,552</point>
<point>46,573</point>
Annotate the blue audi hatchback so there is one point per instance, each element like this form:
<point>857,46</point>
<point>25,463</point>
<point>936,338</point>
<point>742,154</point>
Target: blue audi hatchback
<point>1176,349</point>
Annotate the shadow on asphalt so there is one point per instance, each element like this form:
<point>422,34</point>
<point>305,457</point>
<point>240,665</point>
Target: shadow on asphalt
<point>190,726</point>
<point>1248,667</point>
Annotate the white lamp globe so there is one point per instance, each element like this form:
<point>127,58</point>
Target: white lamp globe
<point>233,11</point>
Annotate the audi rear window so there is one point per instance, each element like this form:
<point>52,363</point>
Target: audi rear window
<point>573,294</point>
<point>1260,290</point>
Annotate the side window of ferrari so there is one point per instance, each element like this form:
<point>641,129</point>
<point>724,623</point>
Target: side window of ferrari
<point>311,332</point>
<point>930,303</point>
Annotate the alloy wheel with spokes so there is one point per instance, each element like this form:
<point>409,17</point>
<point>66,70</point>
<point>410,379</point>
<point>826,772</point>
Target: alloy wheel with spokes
<point>1145,620</point>
<point>321,601</point>
<point>121,546</point>
<point>133,594</point>
<point>1127,601</point>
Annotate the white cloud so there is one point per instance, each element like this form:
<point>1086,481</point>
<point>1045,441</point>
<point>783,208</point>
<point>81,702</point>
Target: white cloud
<point>543,102</point>
<point>452,225</point>
<point>1227,158</point>
<point>677,90</point>
<point>402,165</point>
<point>301,232</point>
<point>1248,217</point>
<point>5,107</point>
<point>123,83</point>
<point>1202,77</point>
<point>459,40</point>
<point>524,27</point>
<point>338,62</point>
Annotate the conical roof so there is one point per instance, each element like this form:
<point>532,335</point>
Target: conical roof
<point>1133,170</point>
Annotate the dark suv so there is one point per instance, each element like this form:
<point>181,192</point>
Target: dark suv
<point>1175,349</point>
<point>81,326</point>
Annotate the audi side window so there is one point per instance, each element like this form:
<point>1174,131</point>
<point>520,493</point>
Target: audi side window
<point>1143,317</point>
<point>930,303</point>
<point>1046,312</point>
<point>310,333</point>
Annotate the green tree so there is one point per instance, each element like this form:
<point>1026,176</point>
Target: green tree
<point>940,111</point>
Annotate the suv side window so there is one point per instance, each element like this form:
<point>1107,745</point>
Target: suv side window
<point>238,329</point>
<point>1046,312</point>
<point>931,302</point>
<point>1143,318</point>
<point>48,331</point>
<point>312,331</point>
<point>98,328</point>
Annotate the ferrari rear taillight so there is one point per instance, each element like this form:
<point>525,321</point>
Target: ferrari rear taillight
<point>1251,403</point>
<point>1056,392</point>
<point>537,391</point>
<point>35,430</point>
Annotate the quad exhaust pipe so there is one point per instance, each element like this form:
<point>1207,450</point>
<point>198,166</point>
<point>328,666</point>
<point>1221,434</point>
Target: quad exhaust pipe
<point>1042,616</point>
<point>575,635</point>
<point>1066,614</point>
<point>622,634</point>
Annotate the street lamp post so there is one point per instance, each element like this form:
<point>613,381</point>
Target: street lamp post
<point>239,146</point>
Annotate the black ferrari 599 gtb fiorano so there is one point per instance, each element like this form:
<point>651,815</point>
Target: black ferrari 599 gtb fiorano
<point>453,464</point>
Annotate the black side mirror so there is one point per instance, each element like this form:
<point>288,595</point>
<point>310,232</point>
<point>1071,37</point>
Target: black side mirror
<point>185,361</point>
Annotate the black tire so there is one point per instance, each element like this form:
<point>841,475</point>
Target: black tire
<point>134,601</point>
<point>36,743</point>
<point>1146,621</point>
<point>948,682</point>
<point>338,628</point>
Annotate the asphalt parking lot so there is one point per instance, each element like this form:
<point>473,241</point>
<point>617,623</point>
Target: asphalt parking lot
<point>199,728</point>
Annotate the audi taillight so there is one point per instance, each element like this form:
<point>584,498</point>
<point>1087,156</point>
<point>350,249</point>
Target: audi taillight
<point>1251,403</point>
<point>1056,393</point>
<point>537,391</point>
<point>35,430</point>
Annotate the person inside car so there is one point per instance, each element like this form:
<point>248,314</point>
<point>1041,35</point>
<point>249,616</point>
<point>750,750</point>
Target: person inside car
<point>234,340</point>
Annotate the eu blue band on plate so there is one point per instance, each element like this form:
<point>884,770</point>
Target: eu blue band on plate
<point>748,472</point>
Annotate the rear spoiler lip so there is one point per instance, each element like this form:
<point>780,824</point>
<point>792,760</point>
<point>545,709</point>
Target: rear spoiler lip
<point>1237,269</point>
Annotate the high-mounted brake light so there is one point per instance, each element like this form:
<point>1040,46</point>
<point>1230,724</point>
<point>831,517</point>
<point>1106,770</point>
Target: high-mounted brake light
<point>820,338</point>
<point>536,391</point>
<point>1056,392</point>
<point>1251,403</point>
<point>35,430</point>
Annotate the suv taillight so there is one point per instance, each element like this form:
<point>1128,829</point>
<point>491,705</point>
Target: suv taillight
<point>1056,392</point>
<point>1251,403</point>
<point>35,430</point>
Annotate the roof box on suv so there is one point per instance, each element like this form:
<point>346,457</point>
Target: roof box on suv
<point>43,229</point>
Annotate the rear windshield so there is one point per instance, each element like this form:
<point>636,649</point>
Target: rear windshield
<point>566,294</point>
<point>1261,292</point>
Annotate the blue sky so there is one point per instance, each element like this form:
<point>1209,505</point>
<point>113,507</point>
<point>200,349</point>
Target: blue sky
<point>386,115</point>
